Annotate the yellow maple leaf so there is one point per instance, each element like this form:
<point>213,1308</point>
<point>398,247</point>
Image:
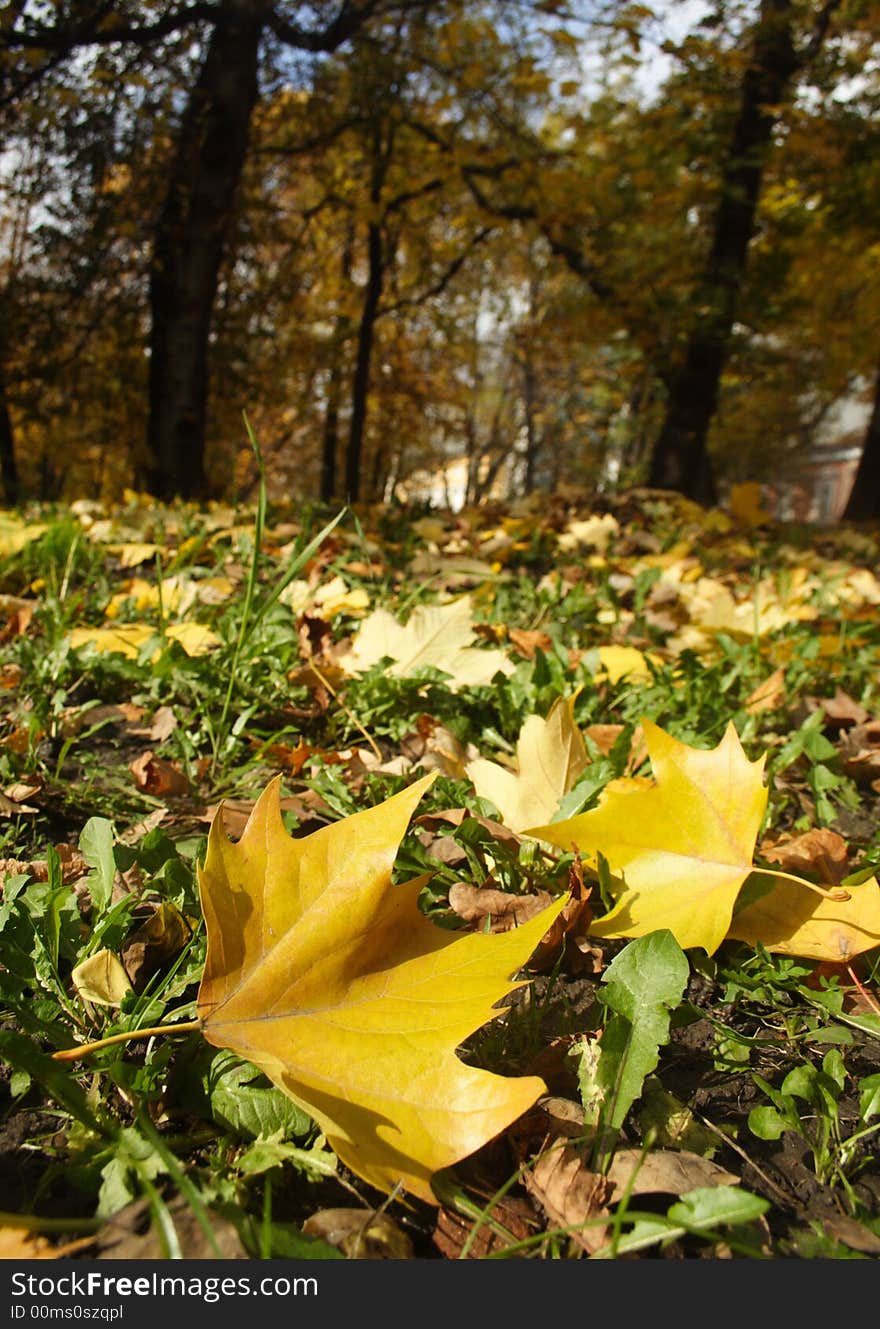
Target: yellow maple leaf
<point>616,662</point>
<point>436,635</point>
<point>550,756</point>
<point>745,504</point>
<point>790,920</point>
<point>128,638</point>
<point>329,978</point>
<point>682,844</point>
<point>15,533</point>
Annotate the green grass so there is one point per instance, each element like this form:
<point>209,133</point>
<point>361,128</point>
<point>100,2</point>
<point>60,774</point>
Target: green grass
<point>171,1121</point>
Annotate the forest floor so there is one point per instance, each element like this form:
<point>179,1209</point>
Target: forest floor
<point>667,716</point>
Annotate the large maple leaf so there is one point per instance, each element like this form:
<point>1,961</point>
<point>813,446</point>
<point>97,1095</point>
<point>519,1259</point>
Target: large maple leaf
<point>437,635</point>
<point>330,980</point>
<point>682,844</point>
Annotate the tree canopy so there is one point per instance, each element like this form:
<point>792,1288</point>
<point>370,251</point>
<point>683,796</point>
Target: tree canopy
<point>543,243</point>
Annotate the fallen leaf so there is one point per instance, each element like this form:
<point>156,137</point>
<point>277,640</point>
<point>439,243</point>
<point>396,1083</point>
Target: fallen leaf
<point>159,938</point>
<point>682,844</point>
<point>195,638</point>
<point>669,1171</point>
<point>793,920</point>
<point>162,725</point>
<point>529,642</point>
<point>860,752</point>
<point>131,1234</point>
<point>594,532</point>
<point>507,1220</point>
<point>769,694</point>
<point>617,662</point>
<point>158,777</point>
<point>501,909</point>
<point>131,555</point>
<point>571,1195</point>
<point>101,979</point>
<point>439,636</point>
<point>333,983</point>
<point>361,1234</point>
<point>550,758</point>
<point>128,638</point>
<point>819,852</point>
<point>15,533</point>
<point>27,1243</point>
<point>842,710</point>
<point>744,504</point>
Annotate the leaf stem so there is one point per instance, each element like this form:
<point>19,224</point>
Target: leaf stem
<point>836,893</point>
<point>83,1049</point>
<point>342,706</point>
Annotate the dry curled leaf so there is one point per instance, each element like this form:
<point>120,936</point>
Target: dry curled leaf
<point>156,776</point>
<point>503,910</point>
<point>819,853</point>
<point>570,1194</point>
<point>361,1234</point>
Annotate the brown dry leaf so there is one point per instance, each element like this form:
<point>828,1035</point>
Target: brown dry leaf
<point>842,710</point>
<point>133,835</point>
<point>475,904</point>
<point>606,735</point>
<point>19,1243</point>
<point>10,676</point>
<point>159,939</point>
<point>433,747</point>
<point>156,776</point>
<point>434,821</point>
<point>529,641</point>
<point>820,854</point>
<point>571,1196</point>
<point>360,1234</point>
<point>130,1234</point>
<point>570,931</point>
<point>18,614</point>
<point>852,1233</point>
<point>73,866</point>
<point>288,759</point>
<point>11,807</point>
<point>162,725</point>
<point>860,752</point>
<point>510,1219</point>
<point>769,694</point>
<point>669,1171</point>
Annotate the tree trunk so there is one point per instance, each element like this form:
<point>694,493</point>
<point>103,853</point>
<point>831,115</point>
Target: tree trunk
<point>532,440</point>
<point>864,500</point>
<point>330,441</point>
<point>188,248</point>
<point>361,383</point>
<point>680,459</point>
<point>8,465</point>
